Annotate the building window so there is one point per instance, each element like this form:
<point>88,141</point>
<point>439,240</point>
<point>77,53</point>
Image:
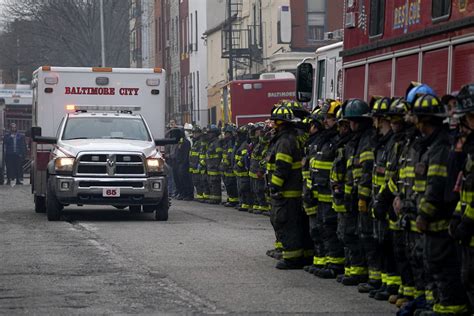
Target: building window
<point>440,8</point>
<point>377,17</point>
<point>316,12</point>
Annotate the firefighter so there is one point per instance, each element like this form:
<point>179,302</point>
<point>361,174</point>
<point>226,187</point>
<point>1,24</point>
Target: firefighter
<point>462,224</point>
<point>194,160</point>
<point>204,183</point>
<point>384,280</point>
<point>285,185</point>
<point>433,214</point>
<point>310,194</point>
<point>241,169</point>
<point>213,161</point>
<point>257,169</point>
<point>227,169</point>
<point>359,154</point>
<point>321,165</point>
<point>383,210</point>
<point>337,180</point>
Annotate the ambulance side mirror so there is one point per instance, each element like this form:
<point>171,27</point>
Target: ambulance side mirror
<point>304,82</point>
<point>35,132</point>
<point>36,136</point>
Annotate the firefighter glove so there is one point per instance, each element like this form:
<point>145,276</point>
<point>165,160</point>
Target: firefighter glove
<point>362,206</point>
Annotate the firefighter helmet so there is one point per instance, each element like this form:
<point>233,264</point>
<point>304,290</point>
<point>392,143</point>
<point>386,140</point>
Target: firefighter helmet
<point>415,89</point>
<point>296,107</point>
<point>230,128</point>
<point>283,113</point>
<point>355,108</point>
<point>330,107</point>
<point>243,130</point>
<point>213,129</point>
<point>197,129</point>
<point>399,107</point>
<point>465,99</point>
<point>380,106</point>
<point>428,105</point>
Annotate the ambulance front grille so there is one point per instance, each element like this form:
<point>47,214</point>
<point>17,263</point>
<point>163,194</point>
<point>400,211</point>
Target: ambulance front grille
<point>112,165</point>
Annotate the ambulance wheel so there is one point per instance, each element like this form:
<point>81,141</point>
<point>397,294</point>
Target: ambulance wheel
<point>53,207</point>
<point>161,212</point>
<point>40,204</point>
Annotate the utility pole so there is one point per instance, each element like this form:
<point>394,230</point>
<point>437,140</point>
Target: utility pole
<point>231,59</point>
<point>102,36</point>
<point>18,72</point>
<point>229,25</point>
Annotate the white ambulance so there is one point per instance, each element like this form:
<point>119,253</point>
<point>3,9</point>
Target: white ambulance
<point>94,135</point>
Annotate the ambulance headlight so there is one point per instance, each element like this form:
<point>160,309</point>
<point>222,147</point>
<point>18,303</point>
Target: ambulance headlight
<point>155,165</point>
<point>63,164</point>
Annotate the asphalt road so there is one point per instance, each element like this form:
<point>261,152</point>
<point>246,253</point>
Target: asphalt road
<point>204,260</point>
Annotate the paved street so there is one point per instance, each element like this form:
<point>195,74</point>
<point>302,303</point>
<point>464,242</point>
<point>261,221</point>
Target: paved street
<point>205,260</point>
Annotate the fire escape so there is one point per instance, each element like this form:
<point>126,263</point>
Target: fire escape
<point>241,44</point>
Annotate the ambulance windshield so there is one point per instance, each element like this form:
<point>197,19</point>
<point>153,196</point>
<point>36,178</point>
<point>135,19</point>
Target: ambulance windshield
<point>106,128</point>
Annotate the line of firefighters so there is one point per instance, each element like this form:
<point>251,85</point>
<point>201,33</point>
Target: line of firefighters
<point>376,195</point>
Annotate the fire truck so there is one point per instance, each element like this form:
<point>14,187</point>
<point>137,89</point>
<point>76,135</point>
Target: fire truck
<point>251,100</point>
<point>388,44</point>
<point>92,143</point>
<point>328,82</point>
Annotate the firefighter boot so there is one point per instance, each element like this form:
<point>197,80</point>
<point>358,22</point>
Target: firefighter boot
<point>385,295</point>
<point>293,264</point>
<point>354,280</point>
<point>369,286</point>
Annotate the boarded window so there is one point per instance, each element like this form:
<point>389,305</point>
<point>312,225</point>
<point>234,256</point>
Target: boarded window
<point>380,78</point>
<point>354,82</point>
<point>436,77</point>
<point>463,64</point>
<point>406,71</point>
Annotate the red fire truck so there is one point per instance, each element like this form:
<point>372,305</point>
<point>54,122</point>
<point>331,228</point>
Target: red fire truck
<point>388,44</point>
<point>246,101</point>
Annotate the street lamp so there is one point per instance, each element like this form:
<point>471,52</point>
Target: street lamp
<point>102,36</point>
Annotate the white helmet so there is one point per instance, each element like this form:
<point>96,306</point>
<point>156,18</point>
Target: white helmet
<point>188,127</point>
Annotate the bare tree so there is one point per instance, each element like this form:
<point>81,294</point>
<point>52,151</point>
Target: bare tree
<point>65,33</point>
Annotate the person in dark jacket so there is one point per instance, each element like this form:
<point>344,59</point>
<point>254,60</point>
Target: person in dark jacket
<point>15,151</point>
<point>433,214</point>
<point>181,173</point>
<point>461,226</point>
<point>285,186</point>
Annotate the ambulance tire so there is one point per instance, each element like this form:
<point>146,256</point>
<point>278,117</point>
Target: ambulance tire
<point>53,207</point>
<point>40,204</point>
<point>161,212</point>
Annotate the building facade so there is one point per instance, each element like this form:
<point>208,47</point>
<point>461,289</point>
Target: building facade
<point>388,44</point>
<point>203,45</point>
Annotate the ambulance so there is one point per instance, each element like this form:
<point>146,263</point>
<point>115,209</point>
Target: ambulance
<point>96,133</point>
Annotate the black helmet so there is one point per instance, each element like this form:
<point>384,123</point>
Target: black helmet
<point>428,105</point>
<point>465,99</point>
<point>243,130</point>
<point>380,106</point>
<point>355,109</point>
<point>399,107</point>
<point>213,129</point>
<point>282,113</point>
<point>229,129</point>
<point>197,129</point>
<point>296,107</point>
